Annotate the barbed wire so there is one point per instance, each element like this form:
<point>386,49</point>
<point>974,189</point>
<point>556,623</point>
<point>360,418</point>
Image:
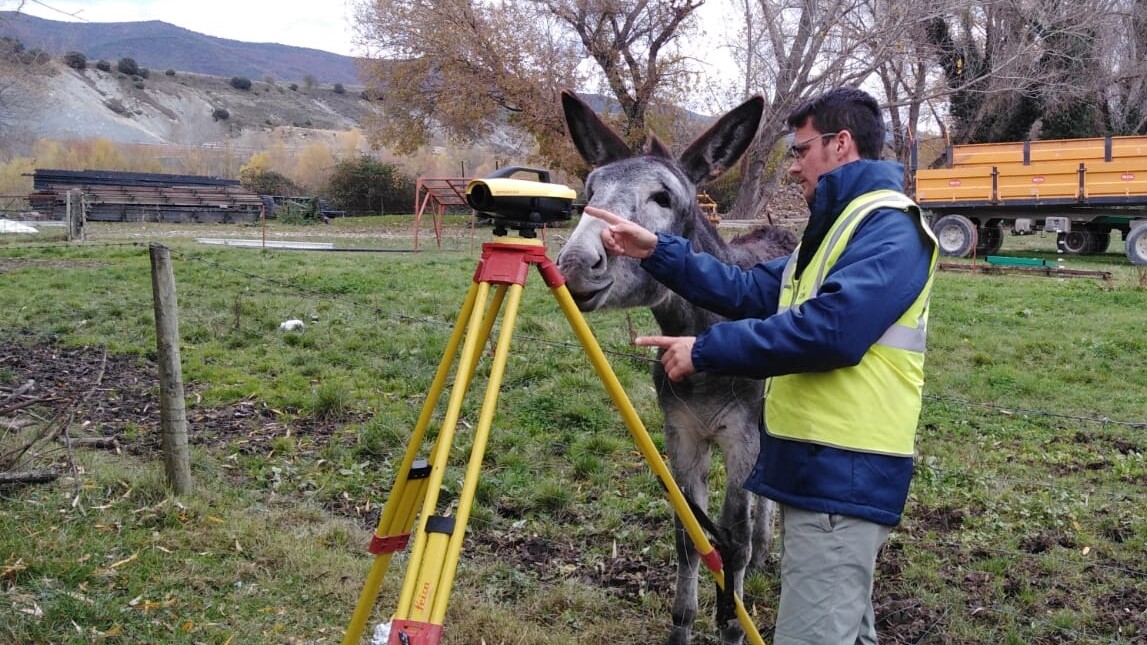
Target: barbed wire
<point>998,480</point>
<point>397,315</point>
<point>313,294</point>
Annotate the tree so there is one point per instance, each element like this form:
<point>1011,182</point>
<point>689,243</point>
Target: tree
<point>1017,69</point>
<point>1123,99</point>
<point>263,181</point>
<point>796,49</point>
<point>630,43</point>
<point>365,185</point>
<point>468,68</point>
<point>241,83</point>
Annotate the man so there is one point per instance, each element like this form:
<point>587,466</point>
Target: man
<point>838,328</point>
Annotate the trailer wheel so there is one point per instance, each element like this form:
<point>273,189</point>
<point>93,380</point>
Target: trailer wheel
<point>991,239</point>
<point>956,234</point>
<point>1099,242</point>
<point>1137,245</point>
<point>1076,242</point>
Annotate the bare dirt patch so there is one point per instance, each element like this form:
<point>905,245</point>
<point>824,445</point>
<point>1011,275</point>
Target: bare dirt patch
<point>117,397</point>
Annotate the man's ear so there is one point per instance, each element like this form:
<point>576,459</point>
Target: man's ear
<point>845,146</point>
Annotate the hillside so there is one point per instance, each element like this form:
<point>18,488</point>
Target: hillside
<point>160,46</point>
<point>54,101</point>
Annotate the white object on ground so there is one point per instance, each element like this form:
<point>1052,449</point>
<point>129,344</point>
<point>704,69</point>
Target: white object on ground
<point>381,634</point>
<point>292,325</point>
<point>10,226</point>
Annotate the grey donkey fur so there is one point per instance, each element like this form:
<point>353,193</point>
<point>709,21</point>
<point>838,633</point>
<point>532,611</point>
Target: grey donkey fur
<point>659,192</point>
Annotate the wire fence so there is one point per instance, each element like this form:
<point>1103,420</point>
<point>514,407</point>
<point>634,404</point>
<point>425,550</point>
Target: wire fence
<point>1102,489</point>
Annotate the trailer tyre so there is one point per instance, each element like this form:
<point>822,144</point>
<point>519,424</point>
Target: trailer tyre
<point>1076,242</point>
<point>990,241</point>
<point>956,234</point>
<point>1099,242</point>
<point>1137,245</point>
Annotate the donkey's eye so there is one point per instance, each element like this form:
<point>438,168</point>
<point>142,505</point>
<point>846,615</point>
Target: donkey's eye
<point>662,198</point>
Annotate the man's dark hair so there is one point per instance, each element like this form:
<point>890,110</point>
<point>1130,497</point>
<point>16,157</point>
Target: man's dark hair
<point>844,108</point>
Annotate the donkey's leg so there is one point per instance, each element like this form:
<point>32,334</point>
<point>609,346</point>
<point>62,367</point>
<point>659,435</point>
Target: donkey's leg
<point>764,523</point>
<point>736,522</point>
<point>689,462</point>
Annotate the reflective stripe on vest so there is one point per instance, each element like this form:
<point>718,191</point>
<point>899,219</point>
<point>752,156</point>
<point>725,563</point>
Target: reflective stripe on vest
<point>873,406</point>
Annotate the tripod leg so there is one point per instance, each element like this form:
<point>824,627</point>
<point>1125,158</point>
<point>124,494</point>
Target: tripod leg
<point>397,519</point>
<point>709,555</point>
<point>471,349</point>
<point>421,622</point>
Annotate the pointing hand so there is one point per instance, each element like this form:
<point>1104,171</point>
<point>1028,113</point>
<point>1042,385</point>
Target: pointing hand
<point>677,358</point>
<point>623,237</point>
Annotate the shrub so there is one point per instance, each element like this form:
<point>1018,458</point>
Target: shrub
<point>170,72</point>
<point>144,72</point>
<point>339,89</point>
<point>266,182</point>
<point>104,66</point>
<point>240,82</point>
<point>220,114</point>
<point>36,56</point>
<point>117,106</point>
<point>138,85</point>
<point>294,87</point>
<point>76,60</point>
<point>366,185</point>
<point>128,66</point>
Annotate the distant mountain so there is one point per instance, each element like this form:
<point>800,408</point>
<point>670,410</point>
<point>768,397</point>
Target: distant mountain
<point>159,46</point>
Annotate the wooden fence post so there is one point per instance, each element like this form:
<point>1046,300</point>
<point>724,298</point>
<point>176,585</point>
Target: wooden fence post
<point>76,215</point>
<point>172,406</point>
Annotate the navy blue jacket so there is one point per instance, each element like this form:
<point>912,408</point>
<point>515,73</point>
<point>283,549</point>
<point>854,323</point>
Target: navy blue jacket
<point>875,280</point>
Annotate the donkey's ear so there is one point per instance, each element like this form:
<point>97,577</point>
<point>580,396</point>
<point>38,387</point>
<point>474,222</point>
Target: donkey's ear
<point>596,143</point>
<point>657,147</point>
<point>723,144</point>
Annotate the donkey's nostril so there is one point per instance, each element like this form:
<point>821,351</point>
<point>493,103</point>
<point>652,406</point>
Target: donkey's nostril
<point>599,265</point>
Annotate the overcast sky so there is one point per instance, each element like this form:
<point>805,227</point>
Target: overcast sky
<point>318,24</point>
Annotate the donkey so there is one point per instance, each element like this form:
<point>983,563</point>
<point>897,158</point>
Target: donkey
<point>659,193</point>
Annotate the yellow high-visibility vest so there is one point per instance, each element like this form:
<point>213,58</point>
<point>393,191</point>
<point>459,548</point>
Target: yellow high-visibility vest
<point>873,406</point>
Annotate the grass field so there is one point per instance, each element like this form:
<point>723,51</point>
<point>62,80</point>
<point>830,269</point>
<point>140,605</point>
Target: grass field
<point>1025,522</point>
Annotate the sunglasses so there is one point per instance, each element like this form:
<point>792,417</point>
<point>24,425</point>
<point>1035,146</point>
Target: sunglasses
<point>798,150</point>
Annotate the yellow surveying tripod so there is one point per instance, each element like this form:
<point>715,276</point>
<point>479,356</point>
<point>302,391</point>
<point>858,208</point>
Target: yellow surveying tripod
<point>437,540</point>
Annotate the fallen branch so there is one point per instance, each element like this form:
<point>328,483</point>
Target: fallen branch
<point>30,477</point>
<point>109,443</point>
<point>8,408</point>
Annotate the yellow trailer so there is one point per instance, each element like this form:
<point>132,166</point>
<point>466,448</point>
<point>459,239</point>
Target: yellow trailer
<point>1081,189</point>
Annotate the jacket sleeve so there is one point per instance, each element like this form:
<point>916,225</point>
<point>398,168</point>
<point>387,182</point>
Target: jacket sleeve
<point>878,276</point>
<point>707,282</point>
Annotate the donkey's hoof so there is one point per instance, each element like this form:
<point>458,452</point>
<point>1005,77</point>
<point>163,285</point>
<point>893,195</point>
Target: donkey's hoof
<point>679,636</point>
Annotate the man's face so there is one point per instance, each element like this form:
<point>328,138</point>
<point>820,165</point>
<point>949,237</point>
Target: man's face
<point>812,154</point>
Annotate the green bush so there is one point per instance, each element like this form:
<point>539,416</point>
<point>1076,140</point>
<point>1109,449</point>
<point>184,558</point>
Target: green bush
<point>170,72</point>
<point>240,82</point>
<point>339,89</point>
<point>128,66</point>
<point>76,60</point>
<point>104,66</point>
<point>368,186</point>
<point>220,114</point>
<point>294,214</point>
<point>266,182</point>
